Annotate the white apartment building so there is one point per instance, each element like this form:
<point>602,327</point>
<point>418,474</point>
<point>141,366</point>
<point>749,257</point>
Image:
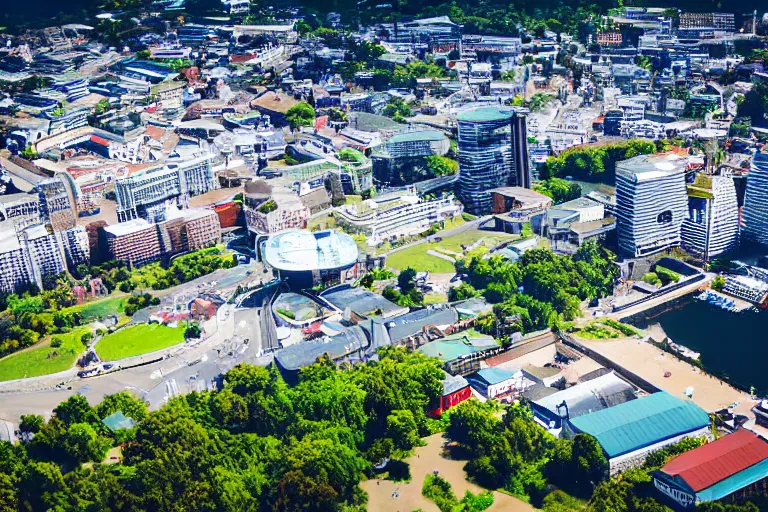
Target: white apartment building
<point>44,251</point>
<point>290,213</point>
<point>15,267</point>
<point>651,203</point>
<point>144,194</point>
<point>408,216</point>
<point>712,226</point>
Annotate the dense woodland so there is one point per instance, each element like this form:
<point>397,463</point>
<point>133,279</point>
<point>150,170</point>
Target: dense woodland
<point>261,444</point>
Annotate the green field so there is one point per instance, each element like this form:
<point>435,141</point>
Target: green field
<point>99,308</point>
<point>416,257</point>
<point>40,359</point>
<point>137,340</point>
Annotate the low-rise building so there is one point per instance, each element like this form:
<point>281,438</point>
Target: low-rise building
<point>629,432</point>
<point>729,469</point>
<point>406,215</point>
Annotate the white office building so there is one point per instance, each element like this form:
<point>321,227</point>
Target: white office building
<point>712,226</point>
<point>755,212</point>
<point>651,203</point>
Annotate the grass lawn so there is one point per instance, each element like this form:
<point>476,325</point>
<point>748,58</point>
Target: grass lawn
<point>99,308</point>
<point>137,340</point>
<point>417,258</point>
<point>322,222</point>
<point>434,298</point>
<point>40,359</point>
<point>490,239</point>
<point>352,199</point>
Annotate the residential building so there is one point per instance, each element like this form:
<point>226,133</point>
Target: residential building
<point>44,251</point>
<point>755,212</point>
<point>135,241</point>
<point>712,225</point>
<point>15,267</point>
<point>144,194</point>
<point>730,469</point>
<point>651,203</point>
<point>492,382</point>
<point>269,210</point>
<point>76,246</point>
<point>631,431</point>
<point>140,242</point>
<point>493,152</point>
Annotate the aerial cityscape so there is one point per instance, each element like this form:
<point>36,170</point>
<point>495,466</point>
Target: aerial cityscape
<point>392,257</point>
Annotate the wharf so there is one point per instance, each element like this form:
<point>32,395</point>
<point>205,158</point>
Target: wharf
<point>740,305</point>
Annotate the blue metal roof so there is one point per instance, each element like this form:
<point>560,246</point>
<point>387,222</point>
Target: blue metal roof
<point>642,422</point>
<point>494,375</point>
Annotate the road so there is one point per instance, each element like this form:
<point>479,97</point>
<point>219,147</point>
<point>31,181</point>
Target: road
<point>185,368</point>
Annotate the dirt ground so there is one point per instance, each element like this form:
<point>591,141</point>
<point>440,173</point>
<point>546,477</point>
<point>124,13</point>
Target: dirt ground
<point>425,460</point>
<point>651,363</point>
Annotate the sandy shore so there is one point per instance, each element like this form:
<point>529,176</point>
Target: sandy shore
<point>425,460</point>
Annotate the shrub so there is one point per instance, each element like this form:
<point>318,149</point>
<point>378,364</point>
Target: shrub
<point>652,278</point>
<point>667,276</point>
<point>56,342</point>
<point>285,313</point>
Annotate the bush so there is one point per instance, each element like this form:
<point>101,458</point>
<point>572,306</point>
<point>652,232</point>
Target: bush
<point>86,338</point>
<point>56,342</point>
<point>667,276</point>
<point>718,283</point>
<point>626,330</point>
<point>268,207</point>
<point>652,278</point>
<point>285,313</point>
<point>192,331</point>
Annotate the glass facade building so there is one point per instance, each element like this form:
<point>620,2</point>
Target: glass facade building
<point>493,152</point>
<point>755,213</point>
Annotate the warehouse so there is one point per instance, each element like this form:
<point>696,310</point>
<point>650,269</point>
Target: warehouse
<point>730,469</point>
<point>630,431</point>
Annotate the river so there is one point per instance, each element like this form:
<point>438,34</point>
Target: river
<point>733,346</point>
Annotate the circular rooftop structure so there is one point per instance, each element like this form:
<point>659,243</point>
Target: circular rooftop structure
<point>487,115</point>
<point>303,251</point>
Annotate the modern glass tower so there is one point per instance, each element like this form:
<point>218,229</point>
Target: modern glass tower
<point>651,203</point>
<point>493,152</point>
<point>755,213</point>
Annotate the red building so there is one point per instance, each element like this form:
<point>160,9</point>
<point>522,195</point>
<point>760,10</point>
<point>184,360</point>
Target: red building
<point>455,390</point>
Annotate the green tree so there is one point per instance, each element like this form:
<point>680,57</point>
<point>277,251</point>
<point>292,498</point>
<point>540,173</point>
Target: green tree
<point>301,114</point>
<point>82,443</point>
<point>402,428</point>
<point>31,423</point>
<point>406,280</point>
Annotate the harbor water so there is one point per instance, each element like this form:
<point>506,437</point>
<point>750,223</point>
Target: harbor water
<point>733,346</point>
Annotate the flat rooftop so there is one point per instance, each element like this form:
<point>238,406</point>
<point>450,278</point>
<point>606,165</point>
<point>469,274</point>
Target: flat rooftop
<point>306,251</point>
<point>487,115</point>
<point>653,166</point>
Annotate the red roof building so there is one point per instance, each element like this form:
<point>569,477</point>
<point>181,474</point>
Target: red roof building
<point>455,390</point>
<point>733,466</point>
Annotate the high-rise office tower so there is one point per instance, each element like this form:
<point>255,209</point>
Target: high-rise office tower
<point>493,152</point>
<point>712,226</point>
<point>755,212</point>
<point>651,203</point>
